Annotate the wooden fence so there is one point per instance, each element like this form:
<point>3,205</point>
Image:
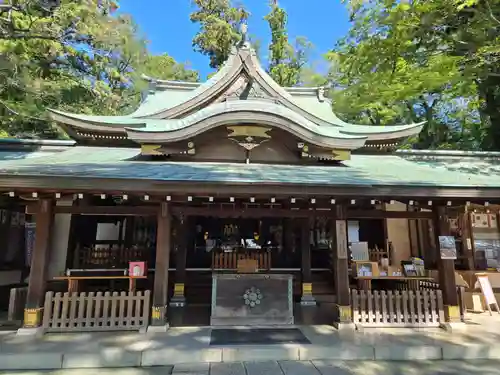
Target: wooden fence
<point>398,308</point>
<point>230,260</point>
<point>431,285</point>
<point>64,312</point>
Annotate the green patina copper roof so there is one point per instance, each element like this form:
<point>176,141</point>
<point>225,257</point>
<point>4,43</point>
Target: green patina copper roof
<point>160,100</point>
<point>251,106</point>
<point>174,94</point>
<point>242,85</point>
<point>110,121</point>
<point>159,125</point>
<point>362,170</point>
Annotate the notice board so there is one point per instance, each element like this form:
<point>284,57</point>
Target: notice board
<point>487,290</point>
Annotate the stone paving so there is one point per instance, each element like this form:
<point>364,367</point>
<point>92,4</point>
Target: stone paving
<point>477,340</point>
<point>323,367</point>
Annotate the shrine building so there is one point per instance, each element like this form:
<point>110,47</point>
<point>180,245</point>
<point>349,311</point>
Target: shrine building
<point>240,202</point>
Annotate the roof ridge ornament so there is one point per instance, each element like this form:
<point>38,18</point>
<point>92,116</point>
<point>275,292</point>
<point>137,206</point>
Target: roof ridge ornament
<point>244,43</point>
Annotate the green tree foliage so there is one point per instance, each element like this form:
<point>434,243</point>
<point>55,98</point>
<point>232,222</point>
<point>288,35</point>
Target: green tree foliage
<point>220,29</point>
<point>165,67</point>
<point>62,55</point>
<point>286,61</point>
<point>220,24</point>
<point>73,55</point>
<point>433,60</point>
<point>476,37</point>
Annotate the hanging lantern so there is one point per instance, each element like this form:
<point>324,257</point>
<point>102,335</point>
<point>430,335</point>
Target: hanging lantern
<point>256,236</point>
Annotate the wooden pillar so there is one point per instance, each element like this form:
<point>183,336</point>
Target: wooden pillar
<point>413,234</point>
<point>427,242</point>
<point>305,247</point>
<point>287,252</point>
<point>39,263</point>
<point>163,242</point>
<point>467,244</point>
<point>341,266</point>
<point>179,299</point>
<point>446,268</point>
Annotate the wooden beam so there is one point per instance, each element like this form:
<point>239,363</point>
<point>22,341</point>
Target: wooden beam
<point>280,212</point>
<point>100,210</point>
<point>230,212</point>
<point>72,184</point>
<point>378,214</point>
<point>245,212</point>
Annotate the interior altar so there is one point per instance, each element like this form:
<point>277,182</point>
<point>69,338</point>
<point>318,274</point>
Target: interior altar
<point>252,299</point>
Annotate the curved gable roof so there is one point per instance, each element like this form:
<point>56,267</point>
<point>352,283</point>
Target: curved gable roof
<point>232,112</point>
<point>173,102</point>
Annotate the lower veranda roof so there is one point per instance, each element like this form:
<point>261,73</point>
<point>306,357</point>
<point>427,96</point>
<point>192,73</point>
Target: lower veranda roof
<point>425,170</point>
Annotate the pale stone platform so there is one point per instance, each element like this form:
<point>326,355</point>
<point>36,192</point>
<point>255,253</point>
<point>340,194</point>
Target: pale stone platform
<point>324,367</point>
<point>478,340</point>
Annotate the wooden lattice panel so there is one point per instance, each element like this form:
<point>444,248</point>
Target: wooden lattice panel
<point>65,312</point>
<point>399,308</point>
<point>110,257</point>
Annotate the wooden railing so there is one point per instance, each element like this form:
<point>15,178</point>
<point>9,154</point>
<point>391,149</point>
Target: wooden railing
<point>398,308</point>
<point>64,312</point>
<point>230,260</point>
<point>17,302</point>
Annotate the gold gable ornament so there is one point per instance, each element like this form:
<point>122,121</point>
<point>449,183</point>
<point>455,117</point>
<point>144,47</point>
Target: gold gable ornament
<point>248,136</point>
<point>341,155</point>
<point>151,150</point>
<point>323,153</point>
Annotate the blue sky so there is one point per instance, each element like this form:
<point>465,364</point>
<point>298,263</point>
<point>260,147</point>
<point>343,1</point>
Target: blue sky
<point>166,25</point>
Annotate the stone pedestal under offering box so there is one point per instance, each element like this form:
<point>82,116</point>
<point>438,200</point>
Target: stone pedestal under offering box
<point>251,299</point>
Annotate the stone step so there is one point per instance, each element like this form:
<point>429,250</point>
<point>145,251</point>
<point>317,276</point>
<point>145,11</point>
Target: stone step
<point>165,355</point>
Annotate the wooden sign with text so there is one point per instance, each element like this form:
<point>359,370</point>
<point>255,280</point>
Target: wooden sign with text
<point>341,239</point>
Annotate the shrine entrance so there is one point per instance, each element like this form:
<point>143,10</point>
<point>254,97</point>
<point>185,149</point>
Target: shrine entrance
<point>216,243</point>
<point>297,248</point>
